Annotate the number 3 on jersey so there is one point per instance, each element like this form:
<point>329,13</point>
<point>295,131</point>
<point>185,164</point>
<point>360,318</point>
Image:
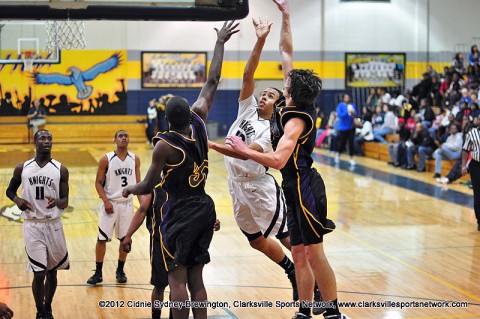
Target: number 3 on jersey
<point>124,181</point>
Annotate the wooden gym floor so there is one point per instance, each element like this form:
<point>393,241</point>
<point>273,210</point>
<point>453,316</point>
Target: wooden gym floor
<point>400,237</point>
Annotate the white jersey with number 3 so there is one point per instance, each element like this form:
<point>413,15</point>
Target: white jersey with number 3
<point>39,183</point>
<point>120,174</point>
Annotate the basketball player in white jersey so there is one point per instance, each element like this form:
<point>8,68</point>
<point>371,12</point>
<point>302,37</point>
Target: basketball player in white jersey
<point>44,197</point>
<point>258,201</point>
<point>116,170</point>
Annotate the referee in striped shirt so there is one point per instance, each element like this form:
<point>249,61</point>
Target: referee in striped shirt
<point>472,146</point>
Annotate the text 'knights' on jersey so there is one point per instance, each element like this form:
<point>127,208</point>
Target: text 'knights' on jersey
<point>40,180</point>
<point>39,183</point>
<point>120,174</point>
<point>189,175</point>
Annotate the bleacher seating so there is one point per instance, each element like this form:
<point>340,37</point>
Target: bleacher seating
<point>380,151</point>
<point>74,129</point>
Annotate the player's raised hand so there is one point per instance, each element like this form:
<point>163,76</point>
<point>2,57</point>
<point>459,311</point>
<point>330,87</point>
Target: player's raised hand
<point>229,28</point>
<point>262,27</point>
<point>282,5</point>
<point>237,144</point>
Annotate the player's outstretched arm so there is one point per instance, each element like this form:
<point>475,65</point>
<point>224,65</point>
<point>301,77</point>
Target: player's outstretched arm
<point>161,153</point>
<point>136,222</point>
<point>277,159</point>
<point>262,29</point>
<point>286,42</point>
<point>207,94</point>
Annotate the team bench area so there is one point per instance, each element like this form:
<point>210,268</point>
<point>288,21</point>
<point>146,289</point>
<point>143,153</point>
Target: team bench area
<point>74,129</point>
<point>380,151</point>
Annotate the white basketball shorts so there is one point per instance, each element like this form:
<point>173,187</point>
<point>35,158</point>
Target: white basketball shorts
<point>119,221</point>
<point>45,245</point>
<point>259,206</point>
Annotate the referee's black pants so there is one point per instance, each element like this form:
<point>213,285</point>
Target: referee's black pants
<point>474,169</point>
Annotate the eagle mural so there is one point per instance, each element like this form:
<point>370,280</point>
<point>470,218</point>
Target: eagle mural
<point>78,77</point>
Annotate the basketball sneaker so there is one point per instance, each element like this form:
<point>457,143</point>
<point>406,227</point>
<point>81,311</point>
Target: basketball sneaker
<point>299,315</point>
<point>121,278</point>
<point>293,281</point>
<point>339,316</point>
<point>47,311</point>
<point>48,315</point>
<point>95,279</point>
<point>317,298</point>
<point>444,180</point>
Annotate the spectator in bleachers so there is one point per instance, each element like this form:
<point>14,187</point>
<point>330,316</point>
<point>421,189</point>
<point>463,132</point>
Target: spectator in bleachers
<point>465,96</point>
<point>372,98</point>
<point>411,121</point>
<point>436,124</point>
<point>427,112</point>
<point>446,72</point>
<point>431,71</point>
<point>378,117</point>
<point>161,119</point>
<point>320,123</point>
<point>446,120</point>
<point>424,88</point>
<point>466,124</point>
<point>389,125</point>
<point>456,171</point>
<point>436,95</point>
<point>364,134</point>
<point>462,111</point>
<point>455,87</point>
<point>383,96</point>
<point>328,131</point>
<point>405,110</point>
<point>450,150</point>
<point>411,99</point>
<point>444,87</point>
<point>37,115</point>
<point>474,111</point>
<point>151,124</point>
<point>474,56</point>
<point>397,100</point>
<point>421,143</point>
<point>473,96</point>
<point>472,77</point>
<point>346,111</point>
<point>459,64</point>
<point>396,150</point>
